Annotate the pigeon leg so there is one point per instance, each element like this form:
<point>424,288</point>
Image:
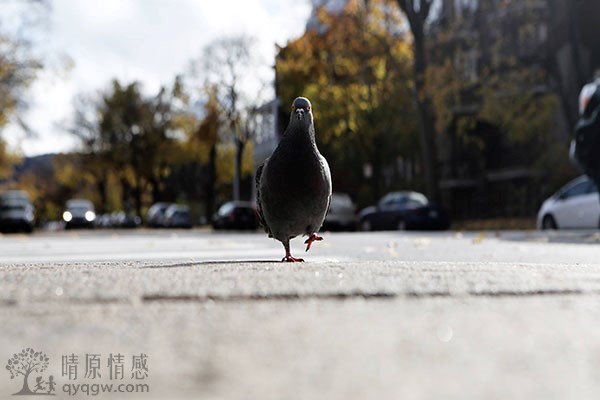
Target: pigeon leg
<point>311,239</point>
<point>288,255</point>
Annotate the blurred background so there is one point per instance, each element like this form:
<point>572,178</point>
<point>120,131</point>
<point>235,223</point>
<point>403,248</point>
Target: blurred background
<point>160,111</point>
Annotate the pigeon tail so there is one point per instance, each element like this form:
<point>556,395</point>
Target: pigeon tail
<point>313,237</point>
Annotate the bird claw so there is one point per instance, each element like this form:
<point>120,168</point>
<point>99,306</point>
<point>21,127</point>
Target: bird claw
<point>289,258</point>
<point>311,239</point>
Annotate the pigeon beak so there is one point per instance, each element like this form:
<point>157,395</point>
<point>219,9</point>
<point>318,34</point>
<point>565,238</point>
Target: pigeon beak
<point>300,114</point>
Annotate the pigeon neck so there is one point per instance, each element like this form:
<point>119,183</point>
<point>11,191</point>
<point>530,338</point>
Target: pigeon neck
<point>301,136</point>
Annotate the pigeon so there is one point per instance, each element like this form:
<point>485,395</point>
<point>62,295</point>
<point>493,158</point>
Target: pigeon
<point>293,185</point>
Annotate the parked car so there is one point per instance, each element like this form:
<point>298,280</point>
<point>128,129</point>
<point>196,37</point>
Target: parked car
<point>16,212</point>
<point>236,215</point>
<point>79,213</point>
<point>122,219</point>
<point>103,221</point>
<point>403,210</point>
<point>178,216</point>
<point>575,206</point>
<point>342,213</point>
<point>156,214</point>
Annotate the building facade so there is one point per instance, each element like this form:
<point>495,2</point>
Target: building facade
<point>538,51</point>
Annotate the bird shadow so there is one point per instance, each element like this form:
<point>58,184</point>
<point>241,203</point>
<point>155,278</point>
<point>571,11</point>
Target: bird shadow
<point>210,262</point>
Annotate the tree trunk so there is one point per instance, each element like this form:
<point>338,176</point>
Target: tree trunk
<point>239,153</point>
<point>417,15</point>
<point>426,128</point>
<point>126,195</point>
<point>101,187</point>
<point>137,195</point>
<point>155,191</point>
<point>211,182</point>
<point>25,389</point>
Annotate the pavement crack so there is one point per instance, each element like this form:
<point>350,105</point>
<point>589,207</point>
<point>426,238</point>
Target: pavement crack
<point>356,295</point>
<point>528,293</point>
<point>268,297</point>
<point>428,294</point>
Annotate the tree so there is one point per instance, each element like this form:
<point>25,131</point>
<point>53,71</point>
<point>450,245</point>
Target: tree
<point>354,66</point>
<point>226,65</point>
<point>24,363</point>
<point>417,12</point>
<point>18,69</point>
<point>127,135</point>
<point>153,149</point>
<point>95,158</point>
<point>204,139</point>
<point>53,179</point>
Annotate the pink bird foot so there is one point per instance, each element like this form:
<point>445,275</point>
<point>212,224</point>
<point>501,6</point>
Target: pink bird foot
<point>311,239</point>
<point>288,254</point>
<point>289,258</point>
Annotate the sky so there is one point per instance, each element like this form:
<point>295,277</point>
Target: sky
<point>150,41</point>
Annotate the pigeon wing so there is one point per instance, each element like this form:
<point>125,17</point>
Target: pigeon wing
<point>261,217</point>
<point>325,165</point>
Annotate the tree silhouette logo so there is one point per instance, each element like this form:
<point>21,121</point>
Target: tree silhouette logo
<point>24,364</point>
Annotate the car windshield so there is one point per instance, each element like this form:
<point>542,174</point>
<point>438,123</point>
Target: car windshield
<point>158,207</point>
<point>578,189</point>
<point>226,208</point>
<point>13,207</point>
<point>79,209</point>
<point>390,199</point>
<point>404,199</point>
<point>417,199</point>
<point>341,201</point>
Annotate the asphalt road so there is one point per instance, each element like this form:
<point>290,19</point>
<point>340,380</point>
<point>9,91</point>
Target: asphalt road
<point>393,315</point>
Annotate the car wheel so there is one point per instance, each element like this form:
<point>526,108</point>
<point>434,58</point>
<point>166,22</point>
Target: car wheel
<point>549,223</point>
<point>401,225</point>
<point>365,225</point>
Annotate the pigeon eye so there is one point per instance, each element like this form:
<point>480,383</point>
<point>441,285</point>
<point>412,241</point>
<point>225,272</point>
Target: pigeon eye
<point>307,108</point>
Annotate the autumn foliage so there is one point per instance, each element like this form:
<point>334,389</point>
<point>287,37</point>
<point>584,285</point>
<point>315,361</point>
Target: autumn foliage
<point>355,67</point>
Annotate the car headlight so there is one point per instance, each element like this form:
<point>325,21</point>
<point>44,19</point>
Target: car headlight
<point>90,216</point>
<point>67,216</point>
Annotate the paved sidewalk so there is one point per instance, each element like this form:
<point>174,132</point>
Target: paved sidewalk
<point>386,329</point>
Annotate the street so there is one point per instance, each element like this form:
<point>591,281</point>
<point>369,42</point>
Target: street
<point>389,315</point>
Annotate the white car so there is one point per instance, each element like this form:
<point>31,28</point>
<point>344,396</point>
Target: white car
<point>575,206</point>
<point>342,213</point>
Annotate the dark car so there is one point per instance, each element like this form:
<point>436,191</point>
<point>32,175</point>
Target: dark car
<point>156,214</point>
<point>401,211</point>
<point>16,212</point>
<point>236,215</point>
<point>79,213</point>
<point>178,216</point>
<point>122,219</point>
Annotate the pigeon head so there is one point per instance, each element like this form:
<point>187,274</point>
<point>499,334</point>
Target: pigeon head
<point>301,110</point>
